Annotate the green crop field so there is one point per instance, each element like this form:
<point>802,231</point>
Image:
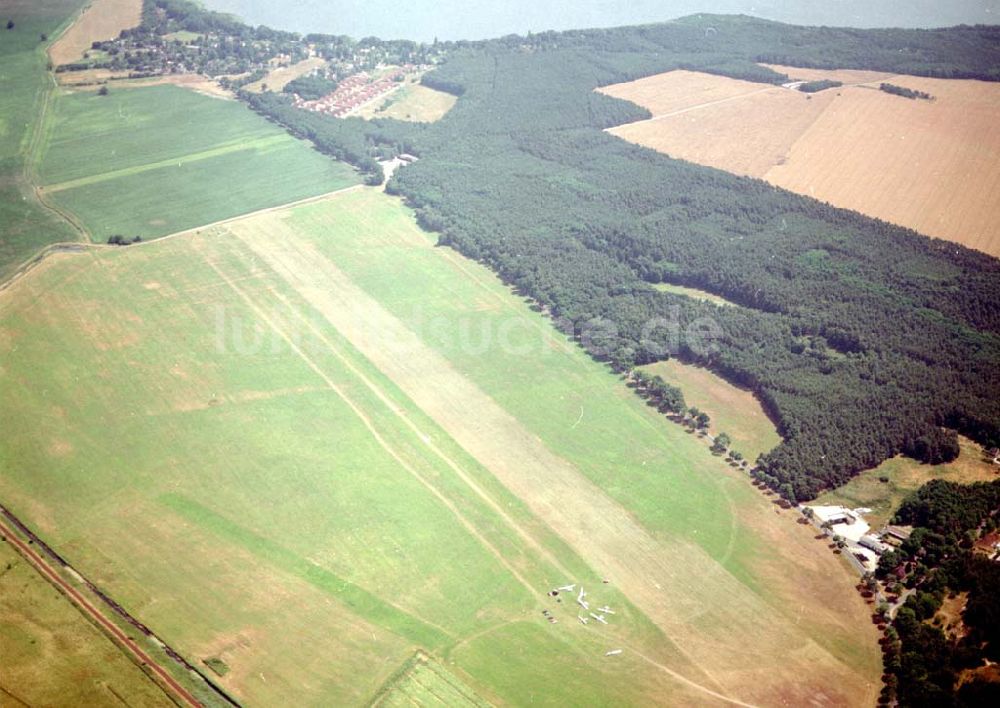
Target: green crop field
<point>25,88</point>
<point>303,487</point>
<point>157,160</point>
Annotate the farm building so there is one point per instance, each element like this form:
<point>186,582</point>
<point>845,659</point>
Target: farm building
<point>897,533</point>
<point>873,543</point>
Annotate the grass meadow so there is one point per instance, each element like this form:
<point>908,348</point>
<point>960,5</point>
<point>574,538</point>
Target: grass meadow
<point>884,488</point>
<point>413,102</point>
<point>157,160</point>
<point>734,411</point>
<point>274,496</point>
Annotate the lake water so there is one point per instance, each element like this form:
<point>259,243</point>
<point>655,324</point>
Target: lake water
<point>424,20</point>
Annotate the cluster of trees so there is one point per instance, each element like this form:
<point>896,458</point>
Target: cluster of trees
<point>119,240</point>
<point>821,85</point>
<point>862,339</point>
<point>666,398</point>
<point>904,92</point>
<point>359,142</point>
<point>924,662</point>
<point>311,87</point>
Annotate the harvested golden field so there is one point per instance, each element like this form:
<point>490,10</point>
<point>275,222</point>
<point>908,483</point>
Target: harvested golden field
<point>933,166</point>
<point>277,79</point>
<point>846,76</point>
<point>680,90</point>
<point>101,20</point>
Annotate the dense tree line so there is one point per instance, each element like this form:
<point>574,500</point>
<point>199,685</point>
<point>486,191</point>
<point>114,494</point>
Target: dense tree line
<point>359,142</point>
<point>904,92</point>
<point>862,339</point>
<point>923,661</point>
<point>821,85</point>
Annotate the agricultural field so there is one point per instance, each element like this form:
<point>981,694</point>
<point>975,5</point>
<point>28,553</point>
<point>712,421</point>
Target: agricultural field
<point>734,411</point>
<point>160,159</point>
<point>101,20</point>
<point>903,476</point>
<point>929,165</point>
<point>25,88</point>
<point>302,488</point>
<point>278,78</point>
<point>52,655</point>
<point>413,102</point>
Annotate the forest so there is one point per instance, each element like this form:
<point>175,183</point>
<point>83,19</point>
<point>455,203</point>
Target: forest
<point>939,560</point>
<point>862,339</point>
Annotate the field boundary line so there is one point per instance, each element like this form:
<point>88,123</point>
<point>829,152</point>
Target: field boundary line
<point>218,151</point>
<point>729,99</point>
<point>366,421</point>
<point>162,677</point>
<point>29,264</point>
<point>454,466</point>
<point>38,134</point>
<point>250,214</point>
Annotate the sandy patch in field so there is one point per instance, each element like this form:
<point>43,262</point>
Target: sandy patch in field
<point>102,20</point>
<point>277,79</point>
<point>933,166</point>
<point>92,80</point>
<point>60,448</point>
<point>742,646</point>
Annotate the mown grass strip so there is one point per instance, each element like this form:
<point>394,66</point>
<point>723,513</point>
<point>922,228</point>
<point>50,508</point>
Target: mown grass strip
<point>258,144</point>
<point>359,600</point>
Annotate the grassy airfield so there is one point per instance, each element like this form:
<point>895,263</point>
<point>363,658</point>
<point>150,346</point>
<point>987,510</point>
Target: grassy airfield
<point>311,484</point>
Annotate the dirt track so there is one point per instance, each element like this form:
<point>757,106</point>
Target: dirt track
<point>120,638</point>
